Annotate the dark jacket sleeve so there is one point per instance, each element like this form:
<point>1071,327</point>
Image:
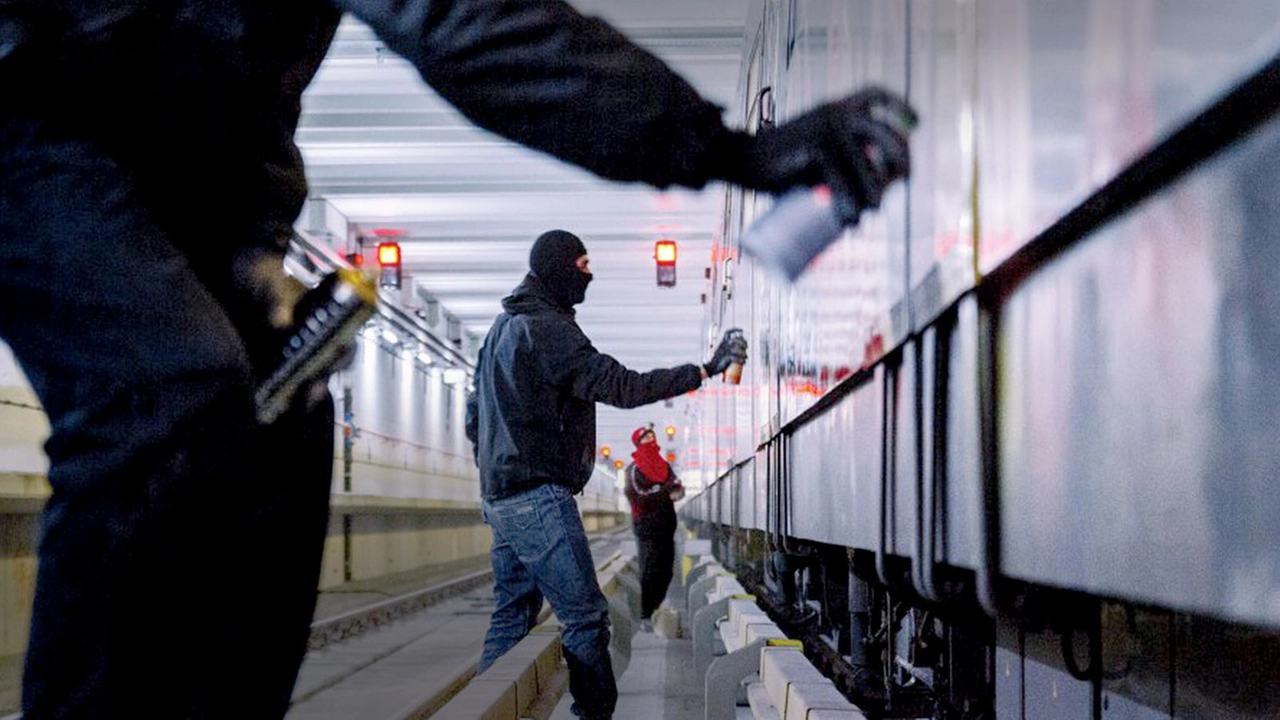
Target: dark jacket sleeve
<point>473,419</point>
<point>540,73</point>
<point>570,360</point>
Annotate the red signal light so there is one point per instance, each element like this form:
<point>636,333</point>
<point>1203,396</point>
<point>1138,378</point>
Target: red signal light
<point>388,254</point>
<point>665,253</point>
<point>671,457</point>
<point>389,260</point>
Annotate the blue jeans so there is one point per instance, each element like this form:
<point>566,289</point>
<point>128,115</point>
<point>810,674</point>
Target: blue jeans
<point>540,550</point>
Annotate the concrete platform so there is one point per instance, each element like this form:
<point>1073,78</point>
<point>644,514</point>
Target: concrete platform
<point>657,685</point>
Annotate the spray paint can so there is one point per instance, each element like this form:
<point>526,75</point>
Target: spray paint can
<point>733,373</point>
<point>331,314</point>
<point>804,221</point>
<point>801,224</point>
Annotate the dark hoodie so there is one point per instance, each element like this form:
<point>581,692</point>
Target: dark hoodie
<point>532,417</point>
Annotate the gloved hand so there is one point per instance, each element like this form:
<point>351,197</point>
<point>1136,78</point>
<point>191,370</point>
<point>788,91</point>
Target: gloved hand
<point>263,285</point>
<point>732,349</point>
<point>268,305</point>
<point>856,146</point>
<point>261,303</point>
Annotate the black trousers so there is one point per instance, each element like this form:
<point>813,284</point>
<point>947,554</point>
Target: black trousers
<point>180,549</point>
<point>655,539</point>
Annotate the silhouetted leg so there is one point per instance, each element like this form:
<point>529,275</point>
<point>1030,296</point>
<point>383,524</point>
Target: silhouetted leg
<point>181,546</point>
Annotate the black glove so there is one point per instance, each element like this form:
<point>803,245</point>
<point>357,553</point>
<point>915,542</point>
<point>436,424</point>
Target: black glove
<point>856,146</point>
<point>270,305</point>
<point>262,304</point>
<point>732,349</point>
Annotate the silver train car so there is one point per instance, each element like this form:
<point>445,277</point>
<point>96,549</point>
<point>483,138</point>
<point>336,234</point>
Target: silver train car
<point>1011,447</point>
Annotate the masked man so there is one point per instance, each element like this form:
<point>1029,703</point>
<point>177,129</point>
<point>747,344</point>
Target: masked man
<point>532,418</point>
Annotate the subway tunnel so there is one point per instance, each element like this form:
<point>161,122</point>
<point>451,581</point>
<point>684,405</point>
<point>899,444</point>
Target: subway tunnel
<point>1005,449</point>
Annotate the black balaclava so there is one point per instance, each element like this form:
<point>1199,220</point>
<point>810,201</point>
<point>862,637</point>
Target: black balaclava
<point>553,261</point>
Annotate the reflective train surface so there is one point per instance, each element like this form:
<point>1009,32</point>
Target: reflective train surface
<point>1011,447</point>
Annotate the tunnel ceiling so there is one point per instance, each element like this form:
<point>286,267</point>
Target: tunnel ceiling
<point>390,154</point>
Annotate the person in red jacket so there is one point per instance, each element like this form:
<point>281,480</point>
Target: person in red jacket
<point>652,489</point>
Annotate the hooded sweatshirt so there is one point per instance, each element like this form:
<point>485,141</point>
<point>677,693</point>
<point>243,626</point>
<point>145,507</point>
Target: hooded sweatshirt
<point>532,416</point>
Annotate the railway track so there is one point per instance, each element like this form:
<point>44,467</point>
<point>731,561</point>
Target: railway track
<point>403,657</point>
<point>356,622</point>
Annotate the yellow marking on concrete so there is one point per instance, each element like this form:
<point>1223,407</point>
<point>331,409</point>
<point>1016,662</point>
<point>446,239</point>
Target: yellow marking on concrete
<point>778,642</point>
